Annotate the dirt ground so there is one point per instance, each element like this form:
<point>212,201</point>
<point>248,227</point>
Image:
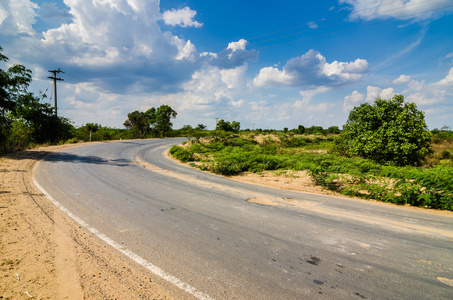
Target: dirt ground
<point>46,255</point>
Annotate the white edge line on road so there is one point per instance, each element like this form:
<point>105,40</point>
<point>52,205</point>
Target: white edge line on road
<point>138,259</point>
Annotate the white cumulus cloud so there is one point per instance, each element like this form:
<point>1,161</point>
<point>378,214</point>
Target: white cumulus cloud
<point>402,79</point>
<point>312,69</point>
<point>235,46</point>
<point>272,76</point>
<point>352,100</point>
<point>18,17</point>
<point>186,50</point>
<point>181,17</point>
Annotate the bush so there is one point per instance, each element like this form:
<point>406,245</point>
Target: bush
<point>389,131</point>
<point>445,154</point>
<point>182,154</point>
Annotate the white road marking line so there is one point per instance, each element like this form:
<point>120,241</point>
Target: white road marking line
<point>138,259</point>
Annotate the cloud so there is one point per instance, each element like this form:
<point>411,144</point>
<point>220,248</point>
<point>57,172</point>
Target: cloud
<point>352,100</point>
<point>233,56</point>
<point>116,44</point>
<point>271,76</point>
<point>186,50</point>
<point>447,82</point>
<point>312,25</point>
<point>181,17</point>
<point>311,69</point>
<point>238,103</point>
<point>309,94</point>
<point>402,79</point>
<point>108,33</point>
<point>235,46</point>
<point>372,92</point>
<point>416,10</point>
<point>17,17</point>
<point>418,92</point>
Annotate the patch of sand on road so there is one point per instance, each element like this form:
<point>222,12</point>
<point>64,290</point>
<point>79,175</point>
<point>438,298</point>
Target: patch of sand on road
<point>45,255</point>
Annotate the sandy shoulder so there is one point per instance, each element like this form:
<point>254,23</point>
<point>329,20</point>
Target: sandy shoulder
<point>45,255</point>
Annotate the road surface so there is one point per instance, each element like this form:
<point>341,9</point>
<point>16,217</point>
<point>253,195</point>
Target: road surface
<point>223,239</point>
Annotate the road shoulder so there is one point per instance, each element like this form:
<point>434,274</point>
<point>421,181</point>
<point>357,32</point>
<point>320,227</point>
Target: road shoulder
<point>46,255</point>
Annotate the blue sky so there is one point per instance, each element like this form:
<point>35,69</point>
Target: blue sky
<point>266,64</point>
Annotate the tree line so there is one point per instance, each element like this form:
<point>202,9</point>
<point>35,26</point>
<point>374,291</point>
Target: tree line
<point>24,119</point>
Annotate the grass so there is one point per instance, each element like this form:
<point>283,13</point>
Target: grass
<point>428,186</point>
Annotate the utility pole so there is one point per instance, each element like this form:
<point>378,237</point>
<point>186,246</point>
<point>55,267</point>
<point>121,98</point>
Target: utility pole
<point>54,72</point>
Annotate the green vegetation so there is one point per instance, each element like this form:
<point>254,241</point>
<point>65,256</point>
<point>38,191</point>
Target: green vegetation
<point>227,126</point>
<point>24,120</point>
<point>97,132</point>
<point>152,123</point>
<point>231,154</point>
<point>389,131</point>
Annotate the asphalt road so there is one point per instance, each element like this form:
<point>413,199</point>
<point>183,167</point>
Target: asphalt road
<point>230,240</point>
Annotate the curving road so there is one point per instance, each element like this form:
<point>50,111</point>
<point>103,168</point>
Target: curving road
<point>223,239</point>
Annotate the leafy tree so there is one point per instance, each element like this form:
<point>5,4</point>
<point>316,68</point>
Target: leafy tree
<point>301,129</point>
<point>46,127</point>
<point>23,118</point>
<point>187,131</point>
<point>227,126</point>
<point>201,127</point>
<point>138,123</point>
<point>389,131</point>
<point>222,125</point>
<point>333,130</point>
<point>164,114</point>
<point>235,126</point>
<point>153,120</point>
<point>12,82</point>
<point>150,114</point>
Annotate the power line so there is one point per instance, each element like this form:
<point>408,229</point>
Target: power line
<point>348,29</point>
<point>335,24</point>
<point>323,20</point>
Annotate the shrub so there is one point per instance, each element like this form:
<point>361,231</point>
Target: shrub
<point>182,154</point>
<point>445,154</point>
<point>389,131</point>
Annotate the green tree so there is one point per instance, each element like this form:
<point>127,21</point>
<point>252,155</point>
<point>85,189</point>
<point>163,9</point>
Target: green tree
<point>155,121</point>
<point>138,123</point>
<point>45,126</point>
<point>333,130</point>
<point>223,125</point>
<point>23,118</point>
<point>201,127</point>
<point>301,129</point>
<point>235,126</point>
<point>389,131</point>
<point>227,126</point>
<point>12,82</point>
<point>164,114</point>
<point>92,127</point>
